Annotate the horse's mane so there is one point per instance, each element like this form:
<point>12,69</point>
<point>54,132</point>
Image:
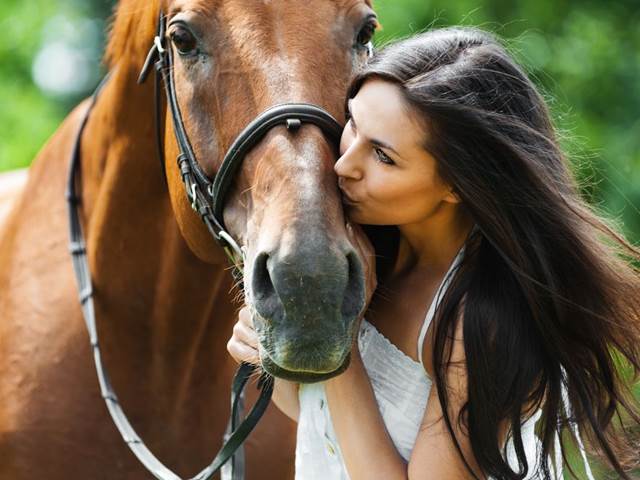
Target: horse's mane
<point>131,32</point>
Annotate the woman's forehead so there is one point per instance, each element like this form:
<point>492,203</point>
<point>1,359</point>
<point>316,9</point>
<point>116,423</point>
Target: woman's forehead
<point>381,112</point>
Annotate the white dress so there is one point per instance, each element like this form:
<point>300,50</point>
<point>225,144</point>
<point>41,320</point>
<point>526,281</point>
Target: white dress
<point>401,387</point>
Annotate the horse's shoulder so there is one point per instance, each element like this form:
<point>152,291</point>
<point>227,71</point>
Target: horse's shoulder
<point>36,268</point>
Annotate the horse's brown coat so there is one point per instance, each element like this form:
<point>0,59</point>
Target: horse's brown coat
<point>11,186</point>
<point>164,315</point>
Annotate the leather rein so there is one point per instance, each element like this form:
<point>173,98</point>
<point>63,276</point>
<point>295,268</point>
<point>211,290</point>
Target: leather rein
<point>207,199</point>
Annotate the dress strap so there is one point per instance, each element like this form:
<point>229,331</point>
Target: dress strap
<point>440,292</point>
<point>436,300</point>
<point>574,425</point>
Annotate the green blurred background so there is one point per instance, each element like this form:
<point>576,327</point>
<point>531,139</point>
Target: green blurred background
<point>583,54</point>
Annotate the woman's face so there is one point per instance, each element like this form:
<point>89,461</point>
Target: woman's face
<point>386,176</point>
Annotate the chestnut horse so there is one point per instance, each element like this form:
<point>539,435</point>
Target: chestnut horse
<point>164,295</point>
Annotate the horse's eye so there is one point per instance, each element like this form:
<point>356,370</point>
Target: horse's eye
<point>185,42</point>
<point>366,32</point>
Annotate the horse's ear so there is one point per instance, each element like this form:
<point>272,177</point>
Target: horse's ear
<point>156,51</point>
<point>146,68</point>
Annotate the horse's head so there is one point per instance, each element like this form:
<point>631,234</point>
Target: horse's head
<point>233,59</point>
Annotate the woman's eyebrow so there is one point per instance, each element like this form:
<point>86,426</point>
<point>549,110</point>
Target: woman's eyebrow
<point>374,141</point>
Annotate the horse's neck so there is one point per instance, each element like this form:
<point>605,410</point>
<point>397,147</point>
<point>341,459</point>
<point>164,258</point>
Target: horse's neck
<point>159,308</point>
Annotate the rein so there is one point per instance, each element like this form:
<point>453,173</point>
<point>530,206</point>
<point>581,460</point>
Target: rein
<point>207,199</point>
<point>237,432</point>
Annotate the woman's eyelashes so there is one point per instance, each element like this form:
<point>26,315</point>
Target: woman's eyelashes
<point>383,157</point>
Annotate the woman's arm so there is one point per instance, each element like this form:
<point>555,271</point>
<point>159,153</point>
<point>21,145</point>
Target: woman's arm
<point>285,397</point>
<point>434,454</point>
<point>366,446</point>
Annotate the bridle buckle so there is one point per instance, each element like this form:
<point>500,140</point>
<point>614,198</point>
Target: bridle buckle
<point>193,196</point>
<point>157,41</point>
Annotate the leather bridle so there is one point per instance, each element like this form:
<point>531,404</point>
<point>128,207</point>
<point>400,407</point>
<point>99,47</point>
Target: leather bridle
<point>206,195</point>
<point>207,199</point>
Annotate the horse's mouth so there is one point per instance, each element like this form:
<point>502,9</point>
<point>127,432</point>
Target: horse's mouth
<point>300,376</point>
<point>306,373</point>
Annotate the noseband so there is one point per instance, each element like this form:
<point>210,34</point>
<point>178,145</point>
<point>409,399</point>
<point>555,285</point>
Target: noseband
<point>207,198</point>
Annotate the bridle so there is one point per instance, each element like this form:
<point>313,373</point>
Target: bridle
<point>206,195</point>
<point>207,199</point>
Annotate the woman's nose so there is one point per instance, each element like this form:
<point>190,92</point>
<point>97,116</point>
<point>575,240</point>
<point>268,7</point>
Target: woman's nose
<point>347,165</point>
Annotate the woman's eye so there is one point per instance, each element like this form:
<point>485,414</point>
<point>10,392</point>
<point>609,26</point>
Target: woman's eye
<point>365,35</point>
<point>383,157</point>
<point>184,41</point>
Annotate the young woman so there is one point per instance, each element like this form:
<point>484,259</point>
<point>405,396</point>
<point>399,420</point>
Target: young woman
<point>505,306</point>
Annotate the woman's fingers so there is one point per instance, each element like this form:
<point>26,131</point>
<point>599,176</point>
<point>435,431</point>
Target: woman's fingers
<point>245,317</point>
<point>241,352</point>
<point>243,344</point>
<point>245,333</point>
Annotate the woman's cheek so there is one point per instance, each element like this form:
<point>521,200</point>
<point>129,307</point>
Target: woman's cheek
<point>380,187</point>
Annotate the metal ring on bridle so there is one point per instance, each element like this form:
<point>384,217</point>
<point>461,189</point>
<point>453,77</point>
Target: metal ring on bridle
<point>158,43</point>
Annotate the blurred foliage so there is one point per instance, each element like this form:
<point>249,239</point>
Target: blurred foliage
<point>583,54</point>
<point>28,116</point>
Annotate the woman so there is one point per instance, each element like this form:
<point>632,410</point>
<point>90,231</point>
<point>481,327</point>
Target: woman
<point>502,299</point>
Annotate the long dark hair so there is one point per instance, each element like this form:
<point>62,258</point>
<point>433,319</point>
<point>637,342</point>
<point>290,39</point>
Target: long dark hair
<point>548,285</point>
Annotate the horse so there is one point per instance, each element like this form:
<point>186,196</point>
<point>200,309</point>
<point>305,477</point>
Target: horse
<point>165,301</point>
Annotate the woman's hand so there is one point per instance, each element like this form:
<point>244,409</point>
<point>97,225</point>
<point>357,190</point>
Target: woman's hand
<point>243,347</point>
<point>243,344</point>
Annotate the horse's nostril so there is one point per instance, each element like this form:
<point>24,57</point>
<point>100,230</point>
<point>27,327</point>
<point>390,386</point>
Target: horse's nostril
<point>262,284</point>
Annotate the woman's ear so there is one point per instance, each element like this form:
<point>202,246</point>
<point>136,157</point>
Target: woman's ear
<point>452,196</point>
